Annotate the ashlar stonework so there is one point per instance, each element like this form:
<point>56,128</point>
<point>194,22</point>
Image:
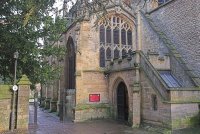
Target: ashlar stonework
<point>136,59</point>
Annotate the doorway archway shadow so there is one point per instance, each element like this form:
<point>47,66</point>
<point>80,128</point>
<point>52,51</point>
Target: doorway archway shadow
<point>122,102</point>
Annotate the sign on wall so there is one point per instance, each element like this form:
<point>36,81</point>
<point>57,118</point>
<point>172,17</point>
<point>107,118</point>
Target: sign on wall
<point>94,97</point>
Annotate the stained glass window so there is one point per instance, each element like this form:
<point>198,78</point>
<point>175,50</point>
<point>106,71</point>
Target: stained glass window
<point>123,36</point>
<point>115,38</point>
<point>129,35</point>
<point>102,34</point>
<point>116,35</point>
<point>108,35</point>
<point>102,57</point>
<point>108,53</point>
<point>116,54</point>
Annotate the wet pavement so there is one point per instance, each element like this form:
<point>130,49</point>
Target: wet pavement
<point>48,123</point>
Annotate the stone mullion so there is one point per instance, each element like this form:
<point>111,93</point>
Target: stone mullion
<point>105,48</point>
<point>112,40</point>
<point>105,39</point>
<point>127,38</point>
<point>120,40</point>
<point>134,36</point>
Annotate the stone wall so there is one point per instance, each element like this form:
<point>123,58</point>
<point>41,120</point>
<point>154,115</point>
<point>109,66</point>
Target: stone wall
<point>90,78</point>
<point>128,77</point>
<point>92,111</point>
<point>23,103</point>
<point>150,39</point>
<point>184,115</point>
<point>179,20</point>
<point>185,95</point>
<point>5,107</point>
<point>22,110</point>
<point>178,67</point>
<point>5,110</point>
<point>159,64</point>
<point>161,116</point>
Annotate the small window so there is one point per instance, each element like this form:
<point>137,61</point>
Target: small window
<point>102,34</point>
<point>102,57</point>
<point>154,102</point>
<point>129,35</point>
<point>108,35</point>
<point>123,36</point>
<point>116,35</point>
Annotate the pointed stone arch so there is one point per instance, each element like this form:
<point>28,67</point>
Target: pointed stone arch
<point>70,65</point>
<point>120,90</point>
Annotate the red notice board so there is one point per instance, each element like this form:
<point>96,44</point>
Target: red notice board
<point>94,97</point>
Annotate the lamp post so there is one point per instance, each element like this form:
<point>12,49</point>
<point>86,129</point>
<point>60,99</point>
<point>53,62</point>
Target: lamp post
<point>16,55</point>
<point>38,88</point>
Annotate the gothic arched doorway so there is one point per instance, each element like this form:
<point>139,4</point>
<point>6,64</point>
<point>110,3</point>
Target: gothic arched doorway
<point>70,66</point>
<point>122,102</point>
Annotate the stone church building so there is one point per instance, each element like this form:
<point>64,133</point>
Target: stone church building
<point>138,63</point>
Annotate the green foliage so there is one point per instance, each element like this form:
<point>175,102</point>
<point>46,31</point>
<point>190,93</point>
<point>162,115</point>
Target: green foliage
<point>22,24</point>
<point>5,92</point>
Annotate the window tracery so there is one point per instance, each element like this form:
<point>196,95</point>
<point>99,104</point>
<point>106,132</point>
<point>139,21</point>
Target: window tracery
<point>102,57</point>
<point>116,37</point>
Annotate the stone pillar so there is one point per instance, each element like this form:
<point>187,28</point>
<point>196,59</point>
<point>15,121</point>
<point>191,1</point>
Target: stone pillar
<point>54,97</point>
<point>23,103</point>
<point>136,86</point>
<point>48,97</point>
<point>58,92</point>
<point>61,97</point>
<point>43,96</point>
<point>136,105</point>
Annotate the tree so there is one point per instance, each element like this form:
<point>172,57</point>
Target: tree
<point>23,23</point>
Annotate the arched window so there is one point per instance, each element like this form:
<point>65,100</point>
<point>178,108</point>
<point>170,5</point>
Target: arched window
<point>102,57</point>
<point>129,35</point>
<point>108,53</point>
<point>116,35</point>
<point>102,34</point>
<point>115,38</point>
<point>108,35</point>
<point>116,53</point>
<point>123,36</point>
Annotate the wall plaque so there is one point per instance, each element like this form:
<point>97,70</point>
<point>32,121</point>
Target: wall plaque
<point>94,97</point>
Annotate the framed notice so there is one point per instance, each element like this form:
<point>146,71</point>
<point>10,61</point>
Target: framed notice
<point>94,97</point>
